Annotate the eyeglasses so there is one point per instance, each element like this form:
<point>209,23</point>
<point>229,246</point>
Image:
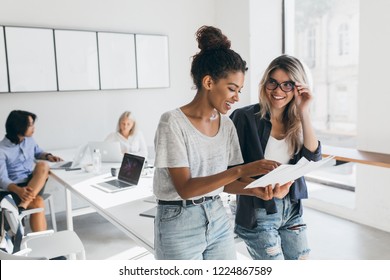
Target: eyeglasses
<point>288,86</point>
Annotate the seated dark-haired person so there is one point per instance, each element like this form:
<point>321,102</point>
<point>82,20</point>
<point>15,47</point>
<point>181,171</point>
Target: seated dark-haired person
<point>20,174</point>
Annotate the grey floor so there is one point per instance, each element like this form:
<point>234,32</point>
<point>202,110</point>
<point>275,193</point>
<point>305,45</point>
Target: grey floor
<point>330,238</point>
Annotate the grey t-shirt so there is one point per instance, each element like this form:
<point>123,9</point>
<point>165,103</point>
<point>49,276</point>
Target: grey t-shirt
<point>179,144</point>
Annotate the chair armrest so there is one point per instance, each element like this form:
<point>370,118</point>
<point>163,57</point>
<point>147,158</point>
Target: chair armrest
<point>39,233</point>
<point>29,212</point>
<point>34,235</point>
<point>23,252</point>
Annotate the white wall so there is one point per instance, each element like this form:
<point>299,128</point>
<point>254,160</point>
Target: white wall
<point>374,61</point>
<point>265,39</point>
<point>232,16</point>
<point>68,119</point>
<point>255,28</point>
<point>373,189</point>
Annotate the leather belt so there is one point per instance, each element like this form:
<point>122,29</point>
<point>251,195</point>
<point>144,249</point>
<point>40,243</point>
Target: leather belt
<point>187,202</point>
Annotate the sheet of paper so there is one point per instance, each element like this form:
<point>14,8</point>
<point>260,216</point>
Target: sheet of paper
<point>289,172</point>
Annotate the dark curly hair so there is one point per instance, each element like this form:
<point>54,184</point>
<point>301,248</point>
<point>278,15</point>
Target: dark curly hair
<point>215,57</point>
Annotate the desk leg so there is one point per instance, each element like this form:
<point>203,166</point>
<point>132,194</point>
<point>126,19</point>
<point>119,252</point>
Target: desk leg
<point>69,215</point>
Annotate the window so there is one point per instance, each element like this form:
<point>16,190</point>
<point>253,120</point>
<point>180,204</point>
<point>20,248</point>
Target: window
<point>326,38</point>
<point>343,39</point>
<point>311,47</point>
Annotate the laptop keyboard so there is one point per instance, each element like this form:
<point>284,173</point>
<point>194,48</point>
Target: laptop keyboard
<point>118,184</point>
<point>66,165</point>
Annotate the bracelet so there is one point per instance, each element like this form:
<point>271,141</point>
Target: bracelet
<point>47,156</point>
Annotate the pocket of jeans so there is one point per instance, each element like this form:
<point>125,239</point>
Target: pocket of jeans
<point>171,212</point>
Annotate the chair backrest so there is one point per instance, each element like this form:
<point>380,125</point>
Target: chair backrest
<point>12,230</point>
<point>37,245</point>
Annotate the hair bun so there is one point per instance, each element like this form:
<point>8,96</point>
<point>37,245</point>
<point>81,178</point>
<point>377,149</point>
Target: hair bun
<point>211,38</point>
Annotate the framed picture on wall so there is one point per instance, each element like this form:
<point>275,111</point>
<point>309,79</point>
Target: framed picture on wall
<point>31,60</point>
<point>77,60</point>
<point>152,61</point>
<point>117,61</point>
<point>3,64</point>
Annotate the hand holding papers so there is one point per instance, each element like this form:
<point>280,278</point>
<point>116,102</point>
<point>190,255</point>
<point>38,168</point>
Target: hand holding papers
<point>288,172</point>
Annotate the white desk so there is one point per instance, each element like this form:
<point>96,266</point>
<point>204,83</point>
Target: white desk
<point>120,208</point>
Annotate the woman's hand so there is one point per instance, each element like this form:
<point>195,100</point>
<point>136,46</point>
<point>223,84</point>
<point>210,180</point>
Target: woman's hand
<point>303,97</point>
<point>280,191</point>
<point>259,167</point>
<point>265,193</point>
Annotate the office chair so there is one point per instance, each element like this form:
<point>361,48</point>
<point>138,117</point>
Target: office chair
<point>36,245</point>
<point>50,201</point>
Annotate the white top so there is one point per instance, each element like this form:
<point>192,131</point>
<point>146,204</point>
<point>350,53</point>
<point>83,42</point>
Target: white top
<point>277,150</point>
<point>179,144</point>
<point>135,144</point>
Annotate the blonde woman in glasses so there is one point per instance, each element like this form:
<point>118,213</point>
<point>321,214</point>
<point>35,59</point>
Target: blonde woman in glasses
<point>279,129</point>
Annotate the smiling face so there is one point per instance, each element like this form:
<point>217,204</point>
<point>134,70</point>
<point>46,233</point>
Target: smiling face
<point>278,98</point>
<point>225,92</point>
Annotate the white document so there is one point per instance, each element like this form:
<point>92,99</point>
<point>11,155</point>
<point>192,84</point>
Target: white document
<point>289,172</point>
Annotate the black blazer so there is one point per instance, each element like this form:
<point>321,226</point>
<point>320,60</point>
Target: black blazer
<point>253,133</point>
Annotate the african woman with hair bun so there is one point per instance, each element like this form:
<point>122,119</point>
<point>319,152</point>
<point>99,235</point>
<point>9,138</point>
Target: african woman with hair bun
<point>195,144</point>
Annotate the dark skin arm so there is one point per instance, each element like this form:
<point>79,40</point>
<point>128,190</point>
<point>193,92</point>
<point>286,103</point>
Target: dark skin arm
<point>188,187</point>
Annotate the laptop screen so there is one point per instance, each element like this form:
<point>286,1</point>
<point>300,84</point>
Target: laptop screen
<point>131,168</point>
<point>110,151</point>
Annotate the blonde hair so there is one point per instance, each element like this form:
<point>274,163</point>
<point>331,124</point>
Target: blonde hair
<point>291,120</point>
<point>126,114</point>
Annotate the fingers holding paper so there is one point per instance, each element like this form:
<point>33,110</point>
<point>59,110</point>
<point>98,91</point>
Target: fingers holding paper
<point>269,192</point>
<point>265,193</point>
<point>280,191</point>
<point>259,167</point>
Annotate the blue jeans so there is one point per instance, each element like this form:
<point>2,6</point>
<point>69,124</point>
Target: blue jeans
<point>193,232</point>
<point>279,236</point>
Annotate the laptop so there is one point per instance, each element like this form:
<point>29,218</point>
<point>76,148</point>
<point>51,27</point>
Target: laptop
<point>110,151</point>
<point>76,163</point>
<point>128,177</point>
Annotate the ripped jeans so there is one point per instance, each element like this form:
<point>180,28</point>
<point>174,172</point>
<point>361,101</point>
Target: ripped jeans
<point>279,236</point>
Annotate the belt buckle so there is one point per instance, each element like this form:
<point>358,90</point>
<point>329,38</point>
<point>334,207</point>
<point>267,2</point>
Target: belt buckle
<point>193,201</point>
